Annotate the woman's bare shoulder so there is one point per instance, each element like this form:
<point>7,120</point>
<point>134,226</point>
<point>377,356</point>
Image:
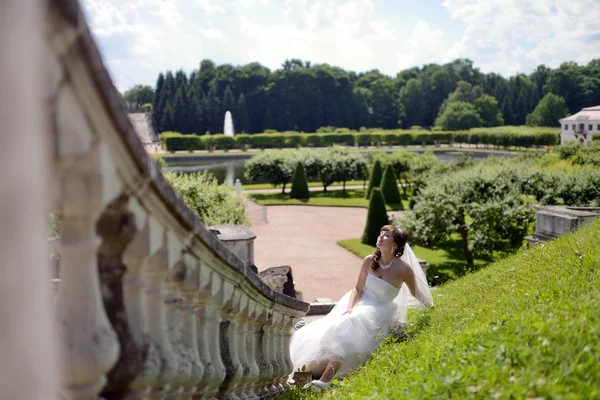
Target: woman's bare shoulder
<point>404,266</point>
<point>368,258</point>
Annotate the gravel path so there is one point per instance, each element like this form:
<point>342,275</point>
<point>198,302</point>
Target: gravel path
<point>305,238</point>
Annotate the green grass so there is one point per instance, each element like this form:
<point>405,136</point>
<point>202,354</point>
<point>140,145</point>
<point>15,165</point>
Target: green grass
<point>334,198</point>
<point>525,327</point>
<point>445,263</point>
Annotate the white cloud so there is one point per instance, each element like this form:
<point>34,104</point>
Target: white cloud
<point>425,45</point>
<point>209,7</point>
<point>341,33</point>
<point>507,36</point>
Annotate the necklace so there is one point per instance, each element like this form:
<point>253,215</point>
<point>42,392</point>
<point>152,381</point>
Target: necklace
<point>385,266</point>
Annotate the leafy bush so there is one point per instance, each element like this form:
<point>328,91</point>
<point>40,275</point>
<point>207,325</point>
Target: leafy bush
<point>376,218</point>
<point>389,186</point>
<point>212,203</point>
<point>299,183</point>
<point>274,167</point>
<point>374,178</point>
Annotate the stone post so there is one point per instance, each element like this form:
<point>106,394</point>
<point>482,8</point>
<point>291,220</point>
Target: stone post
<point>241,332</point>
<point>87,343</point>
<point>279,368</point>
<point>262,350</point>
<point>173,305</point>
<point>218,293</point>
<point>254,372</point>
<point>209,384</point>
<point>29,361</point>
<point>229,341</point>
<point>154,277</point>
<point>189,331</point>
<point>288,324</point>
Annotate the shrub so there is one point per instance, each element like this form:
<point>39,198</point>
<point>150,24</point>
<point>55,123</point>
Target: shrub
<point>376,218</point>
<point>299,183</point>
<point>375,178</point>
<point>212,203</point>
<point>222,142</point>
<point>389,187</point>
<point>174,141</point>
<point>274,167</point>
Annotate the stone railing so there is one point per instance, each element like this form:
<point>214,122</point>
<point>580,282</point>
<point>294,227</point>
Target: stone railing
<point>149,303</point>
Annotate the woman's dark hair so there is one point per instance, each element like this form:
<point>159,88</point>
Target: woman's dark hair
<point>400,237</point>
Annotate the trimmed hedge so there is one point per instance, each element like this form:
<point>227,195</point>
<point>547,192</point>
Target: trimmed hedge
<point>299,183</point>
<point>374,178</point>
<point>504,136</point>
<point>389,186</point>
<point>376,218</point>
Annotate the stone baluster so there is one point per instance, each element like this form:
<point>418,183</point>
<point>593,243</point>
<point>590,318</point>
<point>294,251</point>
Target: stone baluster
<point>117,228</point>
<point>189,330</point>
<point>254,372</point>
<point>279,367</point>
<point>262,350</point>
<point>156,319</point>
<point>211,379</point>
<point>288,324</point>
<point>136,257</point>
<point>88,345</point>
<point>219,294</point>
<point>269,342</point>
<point>229,341</point>
<point>241,331</point>
<point>173,305</point>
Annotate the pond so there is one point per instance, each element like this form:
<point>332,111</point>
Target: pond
<point>228,168</point>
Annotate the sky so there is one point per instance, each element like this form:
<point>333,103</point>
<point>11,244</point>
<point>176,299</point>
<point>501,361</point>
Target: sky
<point>140,38</point>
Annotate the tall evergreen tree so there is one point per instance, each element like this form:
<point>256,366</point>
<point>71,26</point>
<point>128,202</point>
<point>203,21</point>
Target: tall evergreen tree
<point>299,183</point>
<point>182,112</point>
<point>376,218</point>
<point>214,122</point>
<point>228,102</point>
<point>268,120</point>
<point>374,178</point>
<point>160,82</point>
<point>389,186</point>
<point>242,120</point>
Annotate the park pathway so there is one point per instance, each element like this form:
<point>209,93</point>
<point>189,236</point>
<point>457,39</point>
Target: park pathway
<point>306,239</point>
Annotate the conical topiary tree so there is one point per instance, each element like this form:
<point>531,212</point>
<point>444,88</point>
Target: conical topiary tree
<point>389,187</point>
<point>376,218</point>
<point>299,183</point>
<point>374,178</point>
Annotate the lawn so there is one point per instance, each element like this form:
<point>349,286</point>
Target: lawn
<point>525,327</point>
<point>334,198</point>
<point>259,186</point>
<point>445,263</point>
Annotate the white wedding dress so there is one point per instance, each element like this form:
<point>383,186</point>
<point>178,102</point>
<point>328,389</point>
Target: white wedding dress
<point>352,338</point>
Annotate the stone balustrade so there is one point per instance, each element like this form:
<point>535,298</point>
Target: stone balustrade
<point>150,304</point>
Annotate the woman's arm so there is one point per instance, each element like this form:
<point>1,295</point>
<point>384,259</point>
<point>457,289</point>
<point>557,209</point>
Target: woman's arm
<point>360,284</point>
<point>411,283</point>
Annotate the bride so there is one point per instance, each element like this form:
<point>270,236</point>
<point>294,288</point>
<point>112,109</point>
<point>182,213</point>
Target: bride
<point>390,281</point>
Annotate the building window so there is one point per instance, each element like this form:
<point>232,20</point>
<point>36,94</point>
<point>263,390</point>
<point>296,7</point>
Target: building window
<point>590,127</point>
<point>573,126</point>
<point>566,127</point>
<point>598,127</point>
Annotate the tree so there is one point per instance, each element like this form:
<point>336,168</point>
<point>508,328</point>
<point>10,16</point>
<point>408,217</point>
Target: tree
<point>376,218</point>
<point>389,187</point>
<point>138,95</point>
<point>242,120</point>
<point>299,183</point>
<point>268,120</point>
<point>228,102</point>
<point>412,98</point>
<point>548,111</point>
<point>375,178</point>
<point>274,167</point>
<point>459,115</point>
<point>487,107</point>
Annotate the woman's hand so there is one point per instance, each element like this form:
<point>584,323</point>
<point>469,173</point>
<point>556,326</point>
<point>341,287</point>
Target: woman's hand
<point>348,311</point>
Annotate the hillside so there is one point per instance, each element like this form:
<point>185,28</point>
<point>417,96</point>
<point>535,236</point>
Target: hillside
<point>525,327</point>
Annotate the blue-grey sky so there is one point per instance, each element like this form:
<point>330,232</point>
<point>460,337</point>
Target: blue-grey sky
<point>140,38</point>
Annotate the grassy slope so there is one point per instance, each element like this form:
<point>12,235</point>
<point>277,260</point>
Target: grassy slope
<point>446,263</point>
<point>524,327</point>
<point>334,198</point>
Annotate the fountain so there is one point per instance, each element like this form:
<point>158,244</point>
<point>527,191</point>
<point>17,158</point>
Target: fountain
<point>228,125</point>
